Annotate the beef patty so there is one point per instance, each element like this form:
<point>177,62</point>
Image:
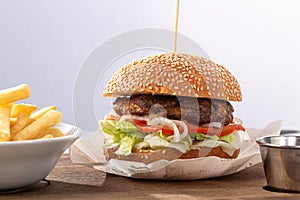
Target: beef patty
<point>193,110</point>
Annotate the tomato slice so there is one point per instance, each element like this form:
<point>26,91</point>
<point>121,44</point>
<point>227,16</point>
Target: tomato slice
<point>230,128</point>
<point>143,127</point>
<point>226,130</point>
<point>139,122</point>
<point>149,129</point>
<point>134,121</point>
<point>167,131</point>
<point>112,117</point>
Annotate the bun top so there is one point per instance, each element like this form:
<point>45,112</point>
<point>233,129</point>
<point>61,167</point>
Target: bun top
<point>174,74</point>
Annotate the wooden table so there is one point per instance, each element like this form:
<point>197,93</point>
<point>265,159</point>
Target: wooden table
<point>70,181</point>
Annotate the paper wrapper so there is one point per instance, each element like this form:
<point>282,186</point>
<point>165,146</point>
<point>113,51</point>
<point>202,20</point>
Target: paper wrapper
<point>88,150</point>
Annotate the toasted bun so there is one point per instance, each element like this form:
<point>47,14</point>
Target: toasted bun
<point>174,74</point>
<point>150,156</point>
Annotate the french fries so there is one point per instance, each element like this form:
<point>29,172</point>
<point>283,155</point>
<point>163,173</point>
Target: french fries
<point>5,111</point>
<point>46,137</point>
<point>50,131</point>
<point>24,109</point>
<point>12,121</point>
<point>20,122</point>
<point>14,94</point>
<point>42,111</point>
<point>50,118</point>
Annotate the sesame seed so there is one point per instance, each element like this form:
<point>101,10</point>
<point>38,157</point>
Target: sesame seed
<point>173,70</point>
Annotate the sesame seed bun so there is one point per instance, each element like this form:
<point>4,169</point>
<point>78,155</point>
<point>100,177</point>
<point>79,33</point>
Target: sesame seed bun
<point>174,74</point>
<point>150,156</point>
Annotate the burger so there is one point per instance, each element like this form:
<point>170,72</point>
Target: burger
<point>172,106</point>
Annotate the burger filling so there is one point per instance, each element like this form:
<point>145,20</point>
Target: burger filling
<point>197,111</point>
<point>150,122</point>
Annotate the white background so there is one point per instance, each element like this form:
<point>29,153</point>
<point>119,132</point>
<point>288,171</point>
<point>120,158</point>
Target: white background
<point>44,43</point>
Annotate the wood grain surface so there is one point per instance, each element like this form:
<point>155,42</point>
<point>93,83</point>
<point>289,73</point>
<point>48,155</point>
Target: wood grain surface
<point>68,181</point>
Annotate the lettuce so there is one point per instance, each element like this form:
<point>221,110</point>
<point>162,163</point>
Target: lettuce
<point>124,134</point>
<point>126,144</point>
<point>229,143</point>
<point>227,138</point>
<point>201,137</point>
<point>126,127</point>
<point>112,127</point>
<point>162,135</point>
<point>109,127</point>
<point>142,145</point>
<point>226,147</point>
<point>155,141</point>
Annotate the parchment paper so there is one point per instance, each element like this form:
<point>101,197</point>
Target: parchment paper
<point>88,150</point>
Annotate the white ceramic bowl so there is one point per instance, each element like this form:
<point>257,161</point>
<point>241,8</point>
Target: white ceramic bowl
<point>24,163</point>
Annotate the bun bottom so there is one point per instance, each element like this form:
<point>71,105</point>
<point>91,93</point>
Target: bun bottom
<point>150,156</point>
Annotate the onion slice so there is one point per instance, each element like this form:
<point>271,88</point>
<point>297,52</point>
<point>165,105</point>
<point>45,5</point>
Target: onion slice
<point>125,117</point>
<point>215,124</point>
<point>183,126</point>
<point>173,125</point>
<point>167,122</point>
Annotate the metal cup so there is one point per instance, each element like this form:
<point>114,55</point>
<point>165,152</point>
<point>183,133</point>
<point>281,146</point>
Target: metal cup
<point>281,160</point>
